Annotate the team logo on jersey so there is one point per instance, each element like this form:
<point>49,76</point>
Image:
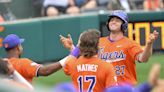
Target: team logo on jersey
<point>112,56</point>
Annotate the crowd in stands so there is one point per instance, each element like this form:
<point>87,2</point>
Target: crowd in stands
<point>57,7</point>
<point>74,7</point>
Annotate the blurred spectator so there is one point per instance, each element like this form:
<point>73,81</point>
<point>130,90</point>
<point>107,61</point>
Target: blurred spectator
<point>162,4</point>
<point>152,4</point>
<point>37,6</point>
<point>119,5</point>
<point>114,5</point>
<point>137,4</point>
<point>86,4</point>
<point>125,5</point>
<point>56,7</point>
<point>1,19</point>
<point>103,2</point>
<point>5,10</point>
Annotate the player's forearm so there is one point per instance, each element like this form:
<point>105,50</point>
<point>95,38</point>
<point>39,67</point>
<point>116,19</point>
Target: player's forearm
<point>146,53</point>
<point>49,69</point>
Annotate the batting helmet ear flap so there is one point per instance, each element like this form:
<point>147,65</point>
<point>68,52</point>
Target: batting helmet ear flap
<point>124,26</point>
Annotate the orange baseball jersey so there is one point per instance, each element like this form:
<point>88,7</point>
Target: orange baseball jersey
<point>90,74</point>
<point>122,55</point>
<point>25,67</point>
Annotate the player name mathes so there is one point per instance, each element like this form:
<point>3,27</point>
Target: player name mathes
<point>87,67</point>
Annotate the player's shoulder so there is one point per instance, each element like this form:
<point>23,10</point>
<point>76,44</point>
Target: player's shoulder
<point>71,60</point>
<point>105,64</point>
<point>128,41</point>
<point>103,38</point>
<point>25,60</point>
<point>19,59</point>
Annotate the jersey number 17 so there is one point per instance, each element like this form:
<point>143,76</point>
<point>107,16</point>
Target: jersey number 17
<point>87,78</point>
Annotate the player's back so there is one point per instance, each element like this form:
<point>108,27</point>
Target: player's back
<point>90,74</point>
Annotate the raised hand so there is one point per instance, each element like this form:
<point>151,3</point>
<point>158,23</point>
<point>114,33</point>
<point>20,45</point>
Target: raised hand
<point>67,42</point>
<point>153,36</point>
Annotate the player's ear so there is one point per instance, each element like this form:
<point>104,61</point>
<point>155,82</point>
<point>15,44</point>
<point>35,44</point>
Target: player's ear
<point>17,48</point>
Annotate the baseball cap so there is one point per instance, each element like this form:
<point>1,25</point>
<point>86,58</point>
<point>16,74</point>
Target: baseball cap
<point>11,41</point>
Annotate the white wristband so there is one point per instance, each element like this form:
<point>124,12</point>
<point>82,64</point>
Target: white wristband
<point>62,61</point>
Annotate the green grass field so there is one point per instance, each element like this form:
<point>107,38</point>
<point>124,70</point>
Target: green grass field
<point>142,73</point>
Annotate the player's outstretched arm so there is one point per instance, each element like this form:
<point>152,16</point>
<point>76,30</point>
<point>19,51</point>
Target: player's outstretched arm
<point>154,75</point>
<point>46,70</point>
<point>51,68</point>
<point>152,80</point>
<point>144,56</point>
<point>67,42</point>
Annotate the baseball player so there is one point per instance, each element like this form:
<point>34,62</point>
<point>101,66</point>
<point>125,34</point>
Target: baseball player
<point>26,67</point>
<point>120,51</point>
<point>88,72</point>
<point>9,75</point>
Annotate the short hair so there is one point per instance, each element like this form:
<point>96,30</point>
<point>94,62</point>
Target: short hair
<point>4,69</point>
<point>89,41</point>
<point>8,49</point>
